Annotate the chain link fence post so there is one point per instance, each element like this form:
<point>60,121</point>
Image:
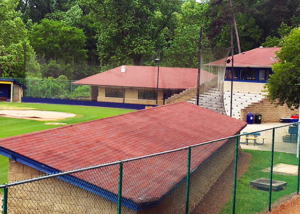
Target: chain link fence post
<point>5,201</point>
<point>120,188</point>
<point>235,172</point>
<point>271,171</point>
<point>188,181</point>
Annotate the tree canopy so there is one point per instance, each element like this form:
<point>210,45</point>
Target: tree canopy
<point>13,37</point>
<point>284,84</point>
<point>79,38</point>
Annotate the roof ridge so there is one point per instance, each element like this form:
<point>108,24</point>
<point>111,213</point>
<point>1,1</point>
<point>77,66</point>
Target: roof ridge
<point>153,67</point>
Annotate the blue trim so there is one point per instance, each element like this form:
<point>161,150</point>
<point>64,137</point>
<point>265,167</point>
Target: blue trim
<point>68,178</point>
<point>84,103</point>
<point>249,81</point>
<point>14,81</point>
<point>240,69</point>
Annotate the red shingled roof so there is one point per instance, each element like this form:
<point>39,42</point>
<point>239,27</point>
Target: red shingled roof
<point>127,136</point>
<point>146,76</point>
<point>256,58</point>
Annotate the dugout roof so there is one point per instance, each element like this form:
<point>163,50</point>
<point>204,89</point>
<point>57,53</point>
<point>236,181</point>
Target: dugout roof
<point>123,137</point>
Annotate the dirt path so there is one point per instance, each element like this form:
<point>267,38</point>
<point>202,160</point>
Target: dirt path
<point>221,191</point>
<point>292,206</point>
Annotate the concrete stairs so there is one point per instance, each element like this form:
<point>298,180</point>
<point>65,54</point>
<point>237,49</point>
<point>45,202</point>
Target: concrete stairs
<point>211,99</point>
<point>240,101</point>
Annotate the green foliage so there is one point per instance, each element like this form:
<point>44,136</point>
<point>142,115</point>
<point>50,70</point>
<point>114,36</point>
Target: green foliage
<point>269,15</point>
<point>72,17</point>
<point>283,85</point>
<point>75,38</point>
<point>132,30</point>
<point>36,10</point>
<point>74,70</point>
<point>184,48</point>
<point>3,169</point>
<point>81,92</point>
<point>221,16</point>
<point>60,87</point>
<point>13,38</point>
<point>274,41</point>
<point>57,41</point>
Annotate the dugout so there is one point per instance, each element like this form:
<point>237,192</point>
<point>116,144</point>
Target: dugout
<point>11,90</point>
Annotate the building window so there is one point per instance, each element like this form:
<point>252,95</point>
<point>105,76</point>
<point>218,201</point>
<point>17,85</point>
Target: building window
<point>235,73</point>
<point>114,92</point>
<point>249,74</point>
<point>264,75</point>
<point>147,94</point>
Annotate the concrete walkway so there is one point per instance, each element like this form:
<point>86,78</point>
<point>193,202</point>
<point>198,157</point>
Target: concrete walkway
<point>280,146</point>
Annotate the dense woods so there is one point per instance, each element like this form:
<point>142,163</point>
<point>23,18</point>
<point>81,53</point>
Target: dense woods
<point>50,38</point>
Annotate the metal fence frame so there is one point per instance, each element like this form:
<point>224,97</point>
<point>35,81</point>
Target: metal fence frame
<point>189,149</point>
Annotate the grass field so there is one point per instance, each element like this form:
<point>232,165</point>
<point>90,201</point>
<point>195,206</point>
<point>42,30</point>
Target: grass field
<point>11,126</point>
<point>250,200</point>
<point>84,113</point>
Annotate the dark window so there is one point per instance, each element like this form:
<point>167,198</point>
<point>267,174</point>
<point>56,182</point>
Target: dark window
<point>228,74</point>
<point>249,74</point>
<point>147,94</point>
<point>114,92</point>
<point>264,75</point>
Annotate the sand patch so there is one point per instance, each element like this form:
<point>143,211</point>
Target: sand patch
<point>14,108</point>
<point>55,124</point>
<point>284,169</point>
<point>36,114</point>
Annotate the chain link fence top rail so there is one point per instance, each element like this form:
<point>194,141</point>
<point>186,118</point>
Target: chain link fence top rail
<point>169,182</point>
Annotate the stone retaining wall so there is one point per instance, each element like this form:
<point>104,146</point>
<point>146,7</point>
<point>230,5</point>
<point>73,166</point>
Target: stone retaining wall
<point>270,113</point>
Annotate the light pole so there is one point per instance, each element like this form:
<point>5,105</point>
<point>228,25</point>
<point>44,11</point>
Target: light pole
<point>157,61</point>
<point>199,66</point>
<point>232,74</point>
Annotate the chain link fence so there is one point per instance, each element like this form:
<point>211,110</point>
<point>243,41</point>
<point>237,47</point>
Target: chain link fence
<point>230,175</point>
<point>59,88</point>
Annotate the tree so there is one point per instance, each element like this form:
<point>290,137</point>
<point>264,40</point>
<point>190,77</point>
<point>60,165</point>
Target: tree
<point>13,38</point>
<point>284,84</point>
<point>36,10</point>
<point>272,41</point>
<point>58,41</point>
<point>131,30</point>
<point>269,14</point>
<point>184,48</point>
<point>221,16</point>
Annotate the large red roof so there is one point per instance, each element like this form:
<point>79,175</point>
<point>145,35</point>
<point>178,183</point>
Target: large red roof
<point>146,76</point>
<point>127,136</point>
<point>255,58</point>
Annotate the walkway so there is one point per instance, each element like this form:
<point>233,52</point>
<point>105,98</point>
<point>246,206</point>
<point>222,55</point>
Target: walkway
<point>280,146</point>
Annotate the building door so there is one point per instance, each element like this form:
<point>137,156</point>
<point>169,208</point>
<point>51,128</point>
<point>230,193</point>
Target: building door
<point>5,90</point>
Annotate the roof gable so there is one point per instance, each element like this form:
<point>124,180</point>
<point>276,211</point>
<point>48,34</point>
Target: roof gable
<point>255,58</point>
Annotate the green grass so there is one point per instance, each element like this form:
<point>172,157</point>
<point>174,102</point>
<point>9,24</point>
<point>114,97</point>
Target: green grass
<point>84,113</point>
<point>3,169</point>
<point>251,200</point>
<point>11,126</point>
